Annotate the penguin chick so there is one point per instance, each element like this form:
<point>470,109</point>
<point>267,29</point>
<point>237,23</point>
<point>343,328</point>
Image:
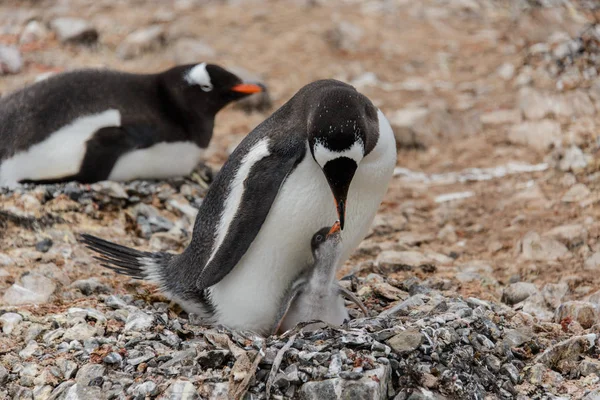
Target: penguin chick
<point>315,295</point>
<point>93,125</point>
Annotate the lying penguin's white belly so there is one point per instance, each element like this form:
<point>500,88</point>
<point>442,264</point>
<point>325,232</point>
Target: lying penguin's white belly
<point>250,295</point>
<point>60,154</point>
<point>162,160</point>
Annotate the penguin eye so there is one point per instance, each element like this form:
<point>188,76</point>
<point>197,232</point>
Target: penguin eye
<point>319,238</point>
<point>206,88</point>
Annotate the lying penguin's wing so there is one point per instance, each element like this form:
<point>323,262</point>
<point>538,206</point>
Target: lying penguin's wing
<point>106,147</point>
<point>252,187</point>
<point>350,296</point>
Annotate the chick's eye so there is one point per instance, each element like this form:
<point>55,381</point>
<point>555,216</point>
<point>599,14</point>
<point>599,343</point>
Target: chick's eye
<point>206,88</point>
<point>319,238</point>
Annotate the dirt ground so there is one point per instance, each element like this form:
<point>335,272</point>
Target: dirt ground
<point>459,60</point>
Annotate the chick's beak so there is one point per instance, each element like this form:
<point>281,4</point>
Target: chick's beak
<point>335,228</point>
<point>247,88</point>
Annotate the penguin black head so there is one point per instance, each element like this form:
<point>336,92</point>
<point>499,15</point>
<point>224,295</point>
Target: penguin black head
<point>342,129</point>
<point>325,242</point>
<point>207,87</point>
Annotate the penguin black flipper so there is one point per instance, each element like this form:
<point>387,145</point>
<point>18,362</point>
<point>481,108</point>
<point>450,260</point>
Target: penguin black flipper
<point>104,149</point>
<point>261,187</point>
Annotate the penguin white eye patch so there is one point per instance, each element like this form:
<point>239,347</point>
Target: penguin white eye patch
<point>323,154</point>
<point>198,75</point>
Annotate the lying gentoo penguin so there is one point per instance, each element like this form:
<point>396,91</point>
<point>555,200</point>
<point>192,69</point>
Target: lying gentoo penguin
<point>92,125</point>
<point>252,233</point>
<point>316,295</point>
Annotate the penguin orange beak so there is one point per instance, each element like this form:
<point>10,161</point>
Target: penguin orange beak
<point>335,228</point>
<point>247,88</point>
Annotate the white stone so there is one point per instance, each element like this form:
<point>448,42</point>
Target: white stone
<point>33,289</point>
<point>500,117</point>
<point>34,31</point>
<point>573,159</point>
<point>576,193</point>
<point>9,322</point>
<point>506,71</point>
<point>539,248</point>
<point>141,41</point>
<point>11,61</point>
<point>593,262</point>
<point>539,135</point>
<point>75,30</point>
<point>570,235</point>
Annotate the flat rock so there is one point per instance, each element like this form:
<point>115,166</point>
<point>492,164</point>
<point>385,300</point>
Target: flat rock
<point>345,36</point>
<point>570,235</point>
<point>111,189</point>
<point>11,61</point>
<point>389,292</point>
<point>80,332</point>
<point>389,261</point>
<point>34,31</point>
<point>372,385</point>
<point>74,30</point>
<point>517,292</point>
<point>576,193</point>
<point>564,356</point>
<point>414,239</point>
<point>141,41</point>
<point>181,390</point>
<point>6,260</point>
<point>587,314</point>
<point>537,104</point>
<point>534,247</point>
<point>592,263</point>
<point>89,372</point>
<point>554,293</point>
<point>406,341</point>
<point>90,286</point>
<point>501,117</point>
<point>573,159</point>
<point>476,271</point>
<point>138,321</point>
<point>33,288</point>
<point>404,123</point>
<point>539,135</point>
<point>10,321</point>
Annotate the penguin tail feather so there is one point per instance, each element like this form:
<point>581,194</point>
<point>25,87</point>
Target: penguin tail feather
<point>127,261</point>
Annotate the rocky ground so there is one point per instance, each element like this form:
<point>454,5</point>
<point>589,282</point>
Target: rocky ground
<point>481,271</point>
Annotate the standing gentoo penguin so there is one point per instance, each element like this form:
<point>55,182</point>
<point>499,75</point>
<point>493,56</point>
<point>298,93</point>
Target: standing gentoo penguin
<point>316,295</point>
<point>92,125</point>
<point>327,154</point>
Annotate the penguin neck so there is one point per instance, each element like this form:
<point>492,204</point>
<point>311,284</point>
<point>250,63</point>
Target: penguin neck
<point>323,275</point>
<point>198,125</point>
